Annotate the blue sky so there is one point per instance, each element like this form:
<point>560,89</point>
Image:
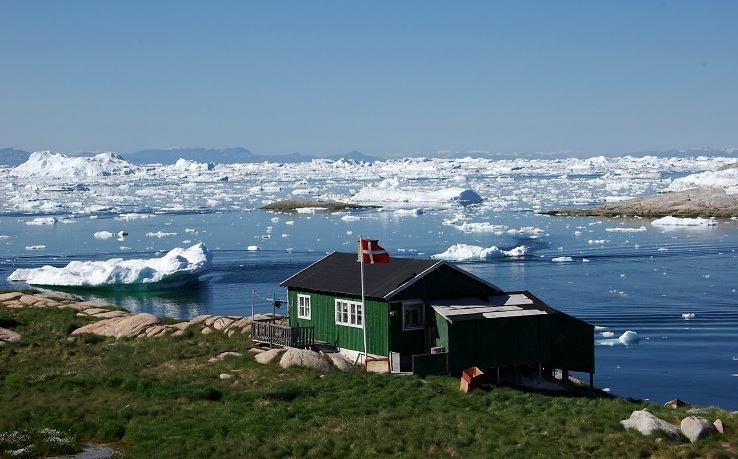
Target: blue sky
<point>385,78</point>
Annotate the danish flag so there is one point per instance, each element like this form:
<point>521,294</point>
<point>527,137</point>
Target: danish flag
<point>370,252</point>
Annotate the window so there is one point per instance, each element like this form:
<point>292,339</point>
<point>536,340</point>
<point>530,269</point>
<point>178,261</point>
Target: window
<point>303,307</point>
<point>412,316</point>
<point>349,313</point>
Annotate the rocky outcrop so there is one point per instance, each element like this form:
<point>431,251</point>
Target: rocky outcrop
<point>697,202</point>
<point>692,427</point>
<point>120,327</point>
<point>117,323</point>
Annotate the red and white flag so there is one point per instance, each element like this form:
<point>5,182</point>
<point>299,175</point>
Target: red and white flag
<point>370,252</point>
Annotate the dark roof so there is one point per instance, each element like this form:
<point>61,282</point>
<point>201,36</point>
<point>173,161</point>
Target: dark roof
<point>509,304</point>
<point>341,273</point>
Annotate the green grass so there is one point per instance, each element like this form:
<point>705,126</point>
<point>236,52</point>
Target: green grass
<point>161,397</point>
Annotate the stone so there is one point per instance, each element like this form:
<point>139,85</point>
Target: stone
<point>8,336</point>
<point>111,314</point>
<point>223,355</point>
<point>225,376</point>
<point>120,327</point>
<point>10,296</point>
<point>93,311</point>
<point>646,423</point>
<point>304,358</point>
<point>102,328</point>
<point>61,296</point>
<point>199,319</point>
<point>206,331</point>
<point>28,300</point>
<point>695,427</point>
<point>133,325</point>
<point>719,425</point>
<point>340,361</point>
<point>269,356</point>
<point>221,323</point>
<point>180,325</point>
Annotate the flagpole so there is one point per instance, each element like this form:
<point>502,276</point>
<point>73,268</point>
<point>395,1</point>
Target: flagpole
<point>363,298</point>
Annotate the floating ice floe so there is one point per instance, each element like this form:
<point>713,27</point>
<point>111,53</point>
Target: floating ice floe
<point>103,235</point>
<point>176,267</point>
<point>160,234</point>
<point>628,338</point>
<point>562,259</point>
<point>688,316</point>
<point>622,229</point>
<point>675,221</point>
<point>39,221</point>
<point>466,252</point>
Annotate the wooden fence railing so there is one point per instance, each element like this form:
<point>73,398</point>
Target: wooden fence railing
<point>282,335</point>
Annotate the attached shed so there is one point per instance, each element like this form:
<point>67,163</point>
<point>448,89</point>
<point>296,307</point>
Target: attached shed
<point>431,316</point>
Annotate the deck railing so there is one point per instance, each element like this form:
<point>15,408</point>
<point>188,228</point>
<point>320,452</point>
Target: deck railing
<point>282,335</point>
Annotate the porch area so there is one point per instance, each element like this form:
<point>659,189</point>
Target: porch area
<point>272,333</point>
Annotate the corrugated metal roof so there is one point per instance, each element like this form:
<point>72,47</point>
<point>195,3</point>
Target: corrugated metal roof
<point>340,273</point>
<point>511,304</point>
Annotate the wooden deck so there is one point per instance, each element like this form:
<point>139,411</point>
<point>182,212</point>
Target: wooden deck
<point>282,335</point>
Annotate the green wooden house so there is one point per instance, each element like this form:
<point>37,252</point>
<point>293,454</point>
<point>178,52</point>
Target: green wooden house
<point>431,316</point>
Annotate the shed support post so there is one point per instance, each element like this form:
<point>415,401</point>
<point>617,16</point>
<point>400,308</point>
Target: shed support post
<point>591,380</point>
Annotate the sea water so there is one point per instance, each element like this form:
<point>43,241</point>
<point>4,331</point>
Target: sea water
<point>675,287</point>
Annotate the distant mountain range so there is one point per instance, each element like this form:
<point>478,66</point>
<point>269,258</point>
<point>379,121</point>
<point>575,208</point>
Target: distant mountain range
<point>12,157</point>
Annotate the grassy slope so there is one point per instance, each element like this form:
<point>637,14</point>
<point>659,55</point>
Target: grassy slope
<point>163,398</point>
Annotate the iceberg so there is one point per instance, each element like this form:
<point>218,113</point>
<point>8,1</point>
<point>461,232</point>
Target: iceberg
<point>50,164</point>
<point>175,268</point>
<point>466,252</point>
<point>675,221</point>
<point>389,190</point>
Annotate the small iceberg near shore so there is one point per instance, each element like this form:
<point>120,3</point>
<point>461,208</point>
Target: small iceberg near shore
<point>175,268</point>
<point>466,252</point>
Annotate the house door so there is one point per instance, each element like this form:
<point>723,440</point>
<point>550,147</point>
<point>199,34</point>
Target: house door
<point>430,337</point>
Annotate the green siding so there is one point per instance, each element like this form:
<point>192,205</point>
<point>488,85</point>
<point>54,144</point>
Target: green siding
<point>444,282</point>
<point>346,337</point>
<point>556,339</point>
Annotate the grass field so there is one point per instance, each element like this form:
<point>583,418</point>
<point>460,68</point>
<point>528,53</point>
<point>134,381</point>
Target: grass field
<point>163,398</point>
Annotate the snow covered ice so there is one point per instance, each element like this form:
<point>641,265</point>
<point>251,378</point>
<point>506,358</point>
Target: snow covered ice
<point>176,267</point>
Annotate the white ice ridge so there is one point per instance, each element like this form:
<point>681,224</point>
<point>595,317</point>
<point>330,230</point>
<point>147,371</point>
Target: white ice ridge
<point>54,184</point>
<point>176,267</point>
<point>466,252</point>
<point>49,164</point>
<point>675,221</point>
<point>389,190</point>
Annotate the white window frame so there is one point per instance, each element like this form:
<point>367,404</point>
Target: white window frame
<point>304,309</point>
<point>413,305</point>
<point>349,313</point>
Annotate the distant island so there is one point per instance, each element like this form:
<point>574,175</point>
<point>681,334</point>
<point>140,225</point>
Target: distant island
<point>703,195</point>
<point>697,202</point>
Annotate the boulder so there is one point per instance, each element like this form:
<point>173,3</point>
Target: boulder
<point>223,355</point>
<point>719,425</point>
<point>340,361</point>
<point>120,327</point>
<point>304,358</point>
<point>646,423</point>
<point>10,296</point>
<point>8,336</point>
<point>695,427</point>
<point>268,356</point>
<point>132,326</point>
